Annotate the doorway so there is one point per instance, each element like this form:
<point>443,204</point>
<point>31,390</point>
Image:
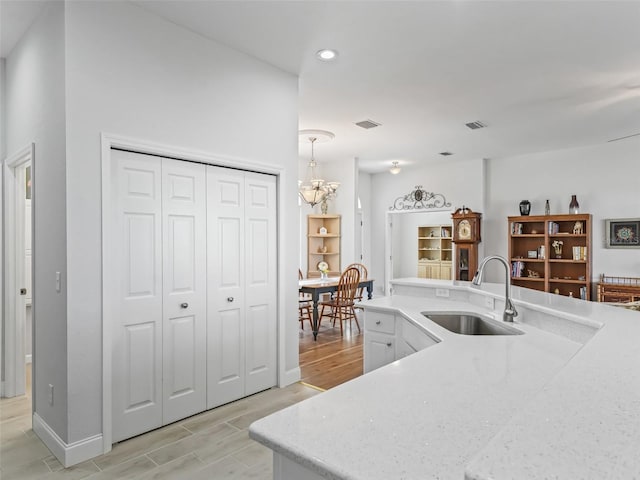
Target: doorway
<point>17,342</point>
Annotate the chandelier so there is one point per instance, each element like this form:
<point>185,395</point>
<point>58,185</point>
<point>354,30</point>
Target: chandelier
<point>315,190</point>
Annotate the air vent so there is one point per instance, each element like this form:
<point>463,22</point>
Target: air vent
<point>446,154</point>
<point>475,125</point>
<point>367,124</point>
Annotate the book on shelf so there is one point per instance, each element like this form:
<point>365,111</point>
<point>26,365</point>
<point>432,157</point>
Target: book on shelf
<point>517,268</point>
<point>554,228</point>
<point>516,228</point>
<point>583,293</point>
<point>579,253</point>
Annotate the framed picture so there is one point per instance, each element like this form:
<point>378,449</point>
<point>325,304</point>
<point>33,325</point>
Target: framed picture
<point>532,254</point>
<point>622,233</point>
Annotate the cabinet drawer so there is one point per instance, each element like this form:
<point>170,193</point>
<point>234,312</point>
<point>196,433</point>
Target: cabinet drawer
<point>380,322</point>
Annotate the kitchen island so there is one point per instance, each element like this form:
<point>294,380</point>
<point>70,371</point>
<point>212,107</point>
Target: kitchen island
<point>561,400</point>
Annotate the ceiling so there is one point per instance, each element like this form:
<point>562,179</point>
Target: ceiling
<point>540,75</point>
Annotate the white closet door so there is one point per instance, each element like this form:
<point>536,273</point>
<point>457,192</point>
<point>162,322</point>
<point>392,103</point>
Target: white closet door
<point>225,273</point>
<point>260,282</point>
<point>137,293</point>
<point>184,285</point>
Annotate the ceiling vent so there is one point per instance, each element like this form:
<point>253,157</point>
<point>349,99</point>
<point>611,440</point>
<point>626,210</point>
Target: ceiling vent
<point>446,154</point>
<point>367,124</point>
<point>475,125</point>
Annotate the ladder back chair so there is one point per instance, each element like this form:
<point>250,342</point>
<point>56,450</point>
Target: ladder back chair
<point>341,305</point>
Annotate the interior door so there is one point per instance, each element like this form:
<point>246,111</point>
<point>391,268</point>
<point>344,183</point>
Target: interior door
<point>184,289</point>
<point>260,282</point>
<point>225,271</point>
<point>137,293</point>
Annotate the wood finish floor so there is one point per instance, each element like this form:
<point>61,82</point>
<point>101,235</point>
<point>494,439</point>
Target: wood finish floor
<point>332,359</point>
<point>212,445</point>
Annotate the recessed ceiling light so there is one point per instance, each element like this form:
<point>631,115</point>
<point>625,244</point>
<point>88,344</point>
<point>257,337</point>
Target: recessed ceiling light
<point>326,54</point>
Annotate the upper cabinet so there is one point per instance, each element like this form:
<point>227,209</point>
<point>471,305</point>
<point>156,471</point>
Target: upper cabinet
<point>552,253</point>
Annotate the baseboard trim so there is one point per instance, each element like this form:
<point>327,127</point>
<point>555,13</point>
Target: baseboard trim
<point>290,377</point>
<point>68,454</point>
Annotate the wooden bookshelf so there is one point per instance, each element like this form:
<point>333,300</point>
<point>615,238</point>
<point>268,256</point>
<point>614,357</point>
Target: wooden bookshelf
<point>566,273</point>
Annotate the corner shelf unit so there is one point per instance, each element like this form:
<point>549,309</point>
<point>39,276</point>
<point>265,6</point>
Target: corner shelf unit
<point>435,252</point>
<point>323,247</point>
<point>534,263</point>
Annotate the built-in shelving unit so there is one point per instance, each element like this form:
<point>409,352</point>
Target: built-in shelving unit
<point>552,253</point>
<point>323,244</point>
<point>435,251</point>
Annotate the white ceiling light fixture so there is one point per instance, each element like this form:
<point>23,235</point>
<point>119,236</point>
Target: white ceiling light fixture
<point>327,54</point>
<point>395,168</point>
<point>314,189</point>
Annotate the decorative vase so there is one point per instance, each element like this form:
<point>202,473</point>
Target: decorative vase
<point>324,276</point>
<point>547,208</point>
<point>574,206</point>
<point>525,207</point>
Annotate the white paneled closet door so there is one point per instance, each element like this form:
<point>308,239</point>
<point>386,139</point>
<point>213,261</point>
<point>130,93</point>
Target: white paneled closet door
<point>159,310</point>
<point>241,272</point>
<point>260,282</point>
<point>184,289</point>
<point>137,293</point>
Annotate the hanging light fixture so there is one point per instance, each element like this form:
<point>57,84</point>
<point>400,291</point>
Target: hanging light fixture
<point>395,168</point>
<point>314,189</point>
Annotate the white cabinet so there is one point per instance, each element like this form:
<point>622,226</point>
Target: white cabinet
<point>379,339</point>
<point>389,337</point>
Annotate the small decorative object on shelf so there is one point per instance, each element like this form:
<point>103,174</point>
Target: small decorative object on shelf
<point>578,228</point>
<point>322,231</point>
<point>557,247</point>
<point>574,206</point>
<point>547,208</point>
<point>324,270</point>
<point>525,207</point>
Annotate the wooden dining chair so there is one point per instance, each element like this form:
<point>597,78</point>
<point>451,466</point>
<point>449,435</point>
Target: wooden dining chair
<point>341,305</point>
<point>304,305</point>
<point>363,275</point>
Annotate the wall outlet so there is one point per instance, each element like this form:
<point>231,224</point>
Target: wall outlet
<point>442,292</point>
<point>489,302</point>
<point>50,394</point>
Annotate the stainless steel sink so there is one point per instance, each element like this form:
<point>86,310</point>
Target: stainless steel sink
<point>466,323</point>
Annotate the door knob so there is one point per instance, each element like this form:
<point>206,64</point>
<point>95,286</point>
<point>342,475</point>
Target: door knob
<point>23,291</point>
<point>184,305</point>
<point>229,299</point>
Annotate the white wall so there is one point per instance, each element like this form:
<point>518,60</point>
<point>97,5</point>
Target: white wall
<point>364,192</point>
<point>605,178</point>
<point>461,182</point>
<point>135,74</point>
<point>35,99</point>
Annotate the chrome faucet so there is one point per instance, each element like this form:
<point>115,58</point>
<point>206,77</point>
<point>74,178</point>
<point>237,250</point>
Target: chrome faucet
<point>509,309</point>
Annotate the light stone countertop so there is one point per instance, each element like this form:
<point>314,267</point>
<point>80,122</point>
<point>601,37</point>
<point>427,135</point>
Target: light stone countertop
<point>560,401</point>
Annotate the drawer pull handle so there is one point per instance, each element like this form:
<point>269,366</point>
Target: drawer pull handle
<point>389,344</point>
<point>184,305</point>
<point>229,299</point>
<point>378,322</point>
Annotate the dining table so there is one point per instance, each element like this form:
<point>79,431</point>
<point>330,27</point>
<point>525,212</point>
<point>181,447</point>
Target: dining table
<point>317,286</point>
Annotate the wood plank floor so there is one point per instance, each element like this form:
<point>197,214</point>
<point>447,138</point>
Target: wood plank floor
<point>332,359</point>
